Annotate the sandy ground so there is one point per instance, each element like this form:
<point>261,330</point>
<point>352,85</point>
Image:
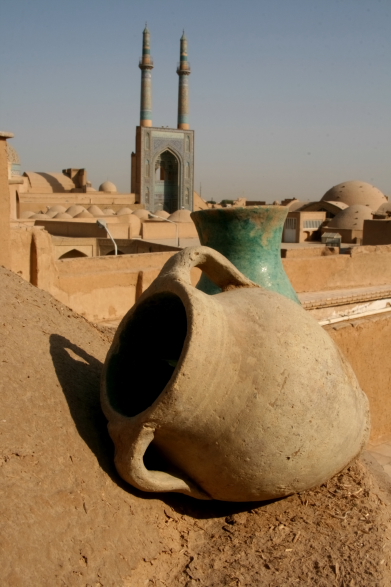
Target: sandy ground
<point>69,520</point>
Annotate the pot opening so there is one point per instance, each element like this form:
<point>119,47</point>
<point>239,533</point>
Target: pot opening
<point>149,349</point>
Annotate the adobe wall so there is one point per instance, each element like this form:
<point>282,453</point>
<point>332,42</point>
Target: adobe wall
<point>152,230</point>
<point>37,202</point>
<point>5,212</point>
<point>20,243</point>
<point>78,227</point>
<point>366,342</point>
<point>105,288</point>
<point>365,266</point>
<point>377,232</point>
<point>316,250</point>
<point>99,288</point>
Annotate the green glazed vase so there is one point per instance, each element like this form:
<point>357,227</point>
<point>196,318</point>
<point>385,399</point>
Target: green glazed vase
<point>250,238</point>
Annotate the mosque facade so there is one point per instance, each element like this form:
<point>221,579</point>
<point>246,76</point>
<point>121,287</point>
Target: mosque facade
<point>163,164</point>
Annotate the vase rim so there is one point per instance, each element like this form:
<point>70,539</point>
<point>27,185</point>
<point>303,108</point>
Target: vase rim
<point>235,208</point>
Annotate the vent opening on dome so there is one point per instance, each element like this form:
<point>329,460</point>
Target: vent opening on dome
<point>149,350</point>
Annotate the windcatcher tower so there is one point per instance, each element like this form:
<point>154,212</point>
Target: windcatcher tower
<point>146,66</point>
<point>183,71</point>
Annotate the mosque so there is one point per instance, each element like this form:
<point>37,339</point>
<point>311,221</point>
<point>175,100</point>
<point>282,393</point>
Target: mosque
<point>163,163</point>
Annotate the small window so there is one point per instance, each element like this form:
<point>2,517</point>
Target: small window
<point>147,142</point>
<point>312,223</point>
<point>290,223</point>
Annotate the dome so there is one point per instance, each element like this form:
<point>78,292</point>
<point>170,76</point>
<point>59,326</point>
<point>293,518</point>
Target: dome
<point>356,192</point>
<point>27,214</point>
<point>84,214</point>
<point>108,186</point>
<point>142,214</point>
<point>48,183</point>
<point>351,218</point>
<point>39,216</point>
<point>384,209</point>
<point>135,225</point>
<point>56,209</point>
<point>108,212</point>
<point>62,216</point>
<point>95,211</point>
<point>51,214</point>
<point>162,214</point>
<point>293,206</point>
<point>124,211</point>
<point>73,210</point>
<point>181,216</point>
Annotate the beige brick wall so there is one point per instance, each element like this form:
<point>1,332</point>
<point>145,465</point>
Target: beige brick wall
<point>4,207</point>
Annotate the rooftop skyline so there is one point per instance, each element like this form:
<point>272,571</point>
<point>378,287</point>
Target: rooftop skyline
<point>286,99</point>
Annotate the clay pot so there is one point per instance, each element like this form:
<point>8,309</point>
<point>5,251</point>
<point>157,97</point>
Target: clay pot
<point>242,394</point>
<point>250,237</point>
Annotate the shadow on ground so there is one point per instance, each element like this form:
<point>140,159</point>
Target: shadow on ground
<point>79,376</point>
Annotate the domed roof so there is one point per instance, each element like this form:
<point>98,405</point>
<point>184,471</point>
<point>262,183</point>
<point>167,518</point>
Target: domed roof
<point>384,208</point>
<point>73,210</point>
<point>57,208</point>
<point>27,214</point>
<point>356,192</point>
<point>48,183</point>
<point>62,216</point>
<point>351,218</point>
<point>181,216</point>
<point>95,211</point>
<point>162,214</point>
<point>124,211</point>
<point>294,205</point>
<point>51,214</point>
<point>39,216</point>
<point>84,214</point>
<point>108,186</point>
<point>135,224</point>
<point>142,214</point>
<point>108,212</point>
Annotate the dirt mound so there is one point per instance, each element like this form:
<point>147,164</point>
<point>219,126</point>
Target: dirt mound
<point>67,518</point>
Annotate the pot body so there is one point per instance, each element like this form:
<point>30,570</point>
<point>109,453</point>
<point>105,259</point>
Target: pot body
<point>250,237</point>
<point>259,402</point>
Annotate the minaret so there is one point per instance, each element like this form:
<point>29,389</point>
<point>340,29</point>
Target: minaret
<point>146,66</point>
<point>183,95</point>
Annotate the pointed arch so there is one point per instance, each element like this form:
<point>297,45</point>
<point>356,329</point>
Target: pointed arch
<point>167,168</point>
<point>72,254</point>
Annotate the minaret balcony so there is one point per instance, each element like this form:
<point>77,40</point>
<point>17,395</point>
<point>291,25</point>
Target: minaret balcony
<point>183,68</point>
<point>145,62</point>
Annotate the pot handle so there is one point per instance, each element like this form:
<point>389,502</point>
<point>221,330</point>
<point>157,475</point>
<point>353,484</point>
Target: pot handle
<point>130,462</point>
<point>217,267</point>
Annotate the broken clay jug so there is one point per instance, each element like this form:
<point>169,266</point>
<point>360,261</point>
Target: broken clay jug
<point>242,394</point>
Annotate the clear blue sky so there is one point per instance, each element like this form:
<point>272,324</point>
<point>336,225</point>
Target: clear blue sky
<point>288,97</point>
